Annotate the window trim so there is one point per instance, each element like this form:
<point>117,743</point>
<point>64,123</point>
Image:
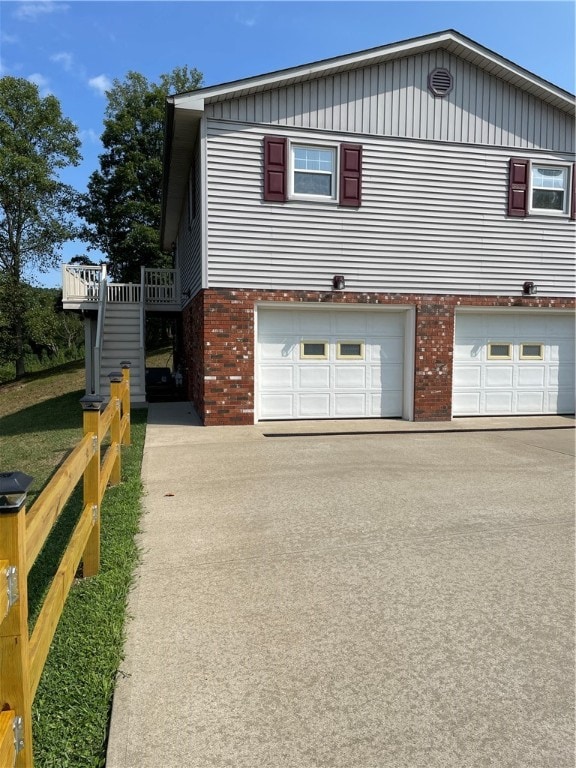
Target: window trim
<point>492,356</point>
<point>335,174</point>
<point>521,189</point>
<point>524,356</point>
<point>531,210</point>
<point>304,356</point>
<point>340,356</point>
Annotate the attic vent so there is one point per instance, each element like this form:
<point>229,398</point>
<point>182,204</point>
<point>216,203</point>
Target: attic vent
<point>440,82</point>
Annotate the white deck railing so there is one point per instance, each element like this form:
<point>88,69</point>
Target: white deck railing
<point>82,284</point>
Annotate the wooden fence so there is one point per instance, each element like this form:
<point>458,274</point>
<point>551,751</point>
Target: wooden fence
<point>22,536</point>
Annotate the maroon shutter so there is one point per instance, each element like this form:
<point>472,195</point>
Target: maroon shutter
<point>275,169</point>
<point>518,187</point>
<point>573,197</point>
<point>351,174</point>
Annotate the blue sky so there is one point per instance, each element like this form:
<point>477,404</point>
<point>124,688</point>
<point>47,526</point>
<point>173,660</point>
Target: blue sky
<point>76,49</point>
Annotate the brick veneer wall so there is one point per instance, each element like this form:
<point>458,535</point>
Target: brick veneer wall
<point>218,326</point>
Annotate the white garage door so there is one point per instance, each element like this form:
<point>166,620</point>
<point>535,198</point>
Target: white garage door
<point>512,364</point>
<point>327,364</point>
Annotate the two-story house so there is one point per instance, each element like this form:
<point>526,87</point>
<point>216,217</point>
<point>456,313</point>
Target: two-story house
<point>388,233</point>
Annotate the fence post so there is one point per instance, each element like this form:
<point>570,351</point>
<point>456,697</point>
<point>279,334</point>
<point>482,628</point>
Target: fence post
<point>15,690</point>
<point>91,405</point>
<point>115,427</point>
<point>125,365</point>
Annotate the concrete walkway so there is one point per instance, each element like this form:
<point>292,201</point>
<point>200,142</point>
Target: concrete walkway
<point>369,594</point>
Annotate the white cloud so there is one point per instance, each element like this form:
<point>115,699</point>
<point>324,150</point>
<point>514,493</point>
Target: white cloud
<point>246,21</point>
<point>89,136</point>
<point>33,11</point>
<point>6,38</point>
<point>42,83</point>
<point>101,84</point>
<point>66,59</point>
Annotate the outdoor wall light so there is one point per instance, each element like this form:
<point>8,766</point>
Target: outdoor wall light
<point>338,283</point>
<point>187,292</point>
<point>13,489</point>
<point>529,288</point>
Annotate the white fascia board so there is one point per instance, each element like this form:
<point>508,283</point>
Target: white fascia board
<point>191,102</point>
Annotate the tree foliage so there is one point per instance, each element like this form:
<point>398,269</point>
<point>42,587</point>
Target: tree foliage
<point>37,211</point>
<point>49,335</point>
<point>122,206</point>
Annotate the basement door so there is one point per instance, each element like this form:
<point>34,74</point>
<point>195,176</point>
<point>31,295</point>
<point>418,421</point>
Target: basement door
<point>329,364</point>
<point>513,364</point>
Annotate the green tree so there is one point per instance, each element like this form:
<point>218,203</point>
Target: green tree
<point>37,211</point>
<point>122,206</point>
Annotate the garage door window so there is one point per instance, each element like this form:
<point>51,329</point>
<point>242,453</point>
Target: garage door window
<point>350,350</point>
<point>313,350</point>
<point>531,351</point>
<point>498,350</point>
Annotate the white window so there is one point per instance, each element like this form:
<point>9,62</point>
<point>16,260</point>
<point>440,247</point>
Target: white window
<point>350,350</point>
<point>499,350</point>
<point>313,171</point>
<point>531,351</point>
<point>549,189</point>
<point>313,350</point>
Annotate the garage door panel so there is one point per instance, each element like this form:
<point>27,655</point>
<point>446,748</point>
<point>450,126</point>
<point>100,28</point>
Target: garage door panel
<point>484,386</point>
<point>464,403</point>
<point>274,349</point>
<point>499,402</point>
<point>349,377</point>
<point>313,376</point>
<point>530,402</point>
<point>281,322</point>
<point>389,350</point>
<point>562,401</point>
<point>499,376</point>
<point>385,324</point>
<point>468,376</point>
<point>561,349</point>
<point>277,377</point>
<point>391,404</point>
<point>350,404</point>
<point>350,322</point>
<point>469,349</point>
<point>313,405</point>
<point>276,406</point>
<point>391,377</point>
<point>314,323</point>
<point>532,376</point>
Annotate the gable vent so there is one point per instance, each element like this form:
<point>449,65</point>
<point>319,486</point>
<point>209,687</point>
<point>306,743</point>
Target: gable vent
<point>440,82</point>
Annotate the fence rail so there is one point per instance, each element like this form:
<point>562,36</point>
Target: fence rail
<point>22,536</point>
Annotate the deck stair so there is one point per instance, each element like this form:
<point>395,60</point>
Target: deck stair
<point>115,320</point>
<point>122,339</point>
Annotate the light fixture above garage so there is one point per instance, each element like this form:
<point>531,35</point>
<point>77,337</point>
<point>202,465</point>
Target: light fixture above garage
<point>529,288</point>
<point>338,283</point>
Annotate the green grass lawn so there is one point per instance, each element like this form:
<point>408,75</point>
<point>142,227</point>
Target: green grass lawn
<point>40,422</point>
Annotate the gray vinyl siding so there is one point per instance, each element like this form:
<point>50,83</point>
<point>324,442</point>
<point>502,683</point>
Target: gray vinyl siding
<point>433,220</point>
<point>393,99</point>
<point>189,236</point>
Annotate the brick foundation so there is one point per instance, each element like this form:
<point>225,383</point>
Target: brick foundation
<point>218,328</point>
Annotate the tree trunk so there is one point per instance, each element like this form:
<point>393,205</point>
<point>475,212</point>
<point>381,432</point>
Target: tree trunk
<point>19,338</point>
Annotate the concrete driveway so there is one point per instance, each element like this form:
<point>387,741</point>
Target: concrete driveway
<point>351,601</point>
